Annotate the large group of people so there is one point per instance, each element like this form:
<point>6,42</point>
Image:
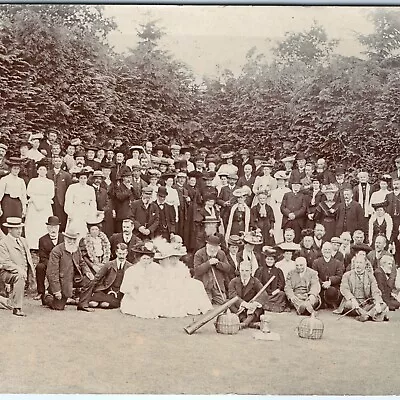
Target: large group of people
<point>170,231</point>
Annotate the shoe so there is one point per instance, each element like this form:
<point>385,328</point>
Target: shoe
<point>71,302</point>
<point>363,318</point>
<point>337,311</point>
<point>38,297</point>
<point>287,309</point>
<point>87,309</point>
<point>254,325</point>
<point>18,313</point>
<point>301,309</point>
<point>386,318</point>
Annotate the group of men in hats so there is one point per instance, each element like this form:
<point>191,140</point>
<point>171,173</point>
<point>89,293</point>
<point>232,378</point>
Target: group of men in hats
<point>137,193</point>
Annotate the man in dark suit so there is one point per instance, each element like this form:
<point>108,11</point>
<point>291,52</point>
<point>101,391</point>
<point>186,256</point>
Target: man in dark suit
<point>233,256</point>
<point>393,209</point>
<point>145,215</point>
<point>246,160</point>
<point>66,269</point>
<point>62,180</point>
<point>330,272</point>
<point>396,173</point>
<point>137,182</point>
<point>120,167</point>
<point>247,179</point>
<point>226,199</point>
<point>293,209</point>
<point>211,267</point>
<point>350,215</point>
<point>308,251</point>
<point>246,287</point>
<point>123,196</point>
<point>362,194</point>
<point>167,223</point>
<point>101,192</point>
<point>90,158</point>
<point>127,237</point>
<point>46,245</point>
<point>104,290</point>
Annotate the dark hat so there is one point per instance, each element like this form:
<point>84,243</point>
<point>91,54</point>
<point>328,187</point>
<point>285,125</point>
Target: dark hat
<point>235,240</point>
<point>42,163</point>
<point>307,232</point>
<point>22,143</point>
<point>53,221</point>
<point>187,148</point>
<point>14,161</point>
<point>361,247</point>
<point>259,156</point>
<point>203,150</point>
<point>136,167</point>
<point>124,173</point>
<point>211,158</point>
<point>339,171</point>
<point>209,196</point>
<point>331,295</point>
<point>199,158</point>
<point>209,175</point>
<point>300,156</point>
<point>91,147</point>
<point>213,240</point>
<point>162,191</point>
<point>382,204</point>
<point>84,171</point>
<point>295,179</point>
<point>195,174</point>
<point>168,175</point>
<point>144,249</point>
<point>162,147</point>
<point>107,164</point>
<point>80,154</point>
<point>347,186</point>
<point>314,178</point>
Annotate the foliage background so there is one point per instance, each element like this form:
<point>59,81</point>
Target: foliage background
<point>58,72</point>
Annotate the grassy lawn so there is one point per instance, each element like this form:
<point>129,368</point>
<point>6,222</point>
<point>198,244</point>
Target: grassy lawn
<point>107,352</point>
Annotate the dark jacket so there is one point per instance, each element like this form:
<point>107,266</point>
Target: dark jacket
<point>123,197</point>
<point>118,238</point>
<point>264,274</point>
<point>61,183</point>
<point>46,246</point>
<point>349,219</point>
<point>149,218</point>
<point>245,293</point>
<point>104,279</point>
<point>167,222</point>
<point>332,270</point>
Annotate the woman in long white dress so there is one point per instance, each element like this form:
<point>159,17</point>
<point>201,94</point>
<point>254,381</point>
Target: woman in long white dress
<point>264,183</point>
<point>40,192</point>
<point>141,286</point>
<point>80,203</point>
<point>172,194</point>
<point>276,201</point>
<point>181,294</point>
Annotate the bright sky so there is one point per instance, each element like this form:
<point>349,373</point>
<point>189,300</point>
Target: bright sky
<point>210,37</point>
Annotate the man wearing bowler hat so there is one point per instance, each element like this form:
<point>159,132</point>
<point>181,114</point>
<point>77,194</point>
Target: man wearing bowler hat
<point>66,270</point>
<point>212,268</point>
<point>16,266</point>
<point>167,224</point>
<point>46,245</point>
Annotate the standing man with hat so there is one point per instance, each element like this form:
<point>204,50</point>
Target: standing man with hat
<point>13,198</point>
<point>102,200</point>
<point>393,209</point>
<point>167,224</point>
<point>46,245</point>
<point>246,160</point>
<point>123,196</point>
<point>16,266</point>
<point>299,171</point>
<point>90,157</point>
<point>66,269</point>
<point>211,267</point>
<point>137,182</point>
<point>62,180</point>
<point>293,209</point>
<point>145,215</point>
<point>226,199</point>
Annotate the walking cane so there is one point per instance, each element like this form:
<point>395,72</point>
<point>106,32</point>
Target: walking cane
<point>348,312</point>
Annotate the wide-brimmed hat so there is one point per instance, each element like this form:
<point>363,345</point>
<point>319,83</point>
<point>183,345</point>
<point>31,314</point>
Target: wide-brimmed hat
<point>339,171</point>
<point>168,175</point>
<point>385,178</point>
<point>71,233</point>
<point>225,156</point>
<point>140,149</point>
<point>203,150</point>
<point>288,247</point>
<point>14,161</point>
<point>331,188</point>
<point>84,171</point>
<point>175,147</point>
<point>35,136</point>
<point>288,159</point>
<point>96,220</point>
<point>210,196</point>
<point>13,222</point>
<point>361,247</point>
<point>381,204</point>
<point>269,251</point>
<point>166,161</point>
<point>253,238</point>
<point>209,175</point>
<point>144,249</point>
<point>241,192</point>
<point>107,164</point>
<point>281,175</point>
<point>268,164</point>
<point>300,156</point>
<point>124,173</point>
<point>307,232</point>
<point>235,240</point>
<point>181,174</point>
<point>233,176</point>
<point>178,249</point>
<point>53,221</point>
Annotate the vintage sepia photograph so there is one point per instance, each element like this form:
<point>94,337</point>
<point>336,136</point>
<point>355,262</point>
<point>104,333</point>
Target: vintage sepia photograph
<point>199,199</point>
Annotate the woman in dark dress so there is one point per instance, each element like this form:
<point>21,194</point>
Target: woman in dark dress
<point>325,213</point>
<point>262,217</point>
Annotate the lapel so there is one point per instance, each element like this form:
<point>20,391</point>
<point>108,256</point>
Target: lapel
<point>248,287</point>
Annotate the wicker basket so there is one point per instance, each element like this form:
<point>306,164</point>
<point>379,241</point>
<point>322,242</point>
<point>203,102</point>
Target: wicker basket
<point>310,328</point>
<point>227,324</point>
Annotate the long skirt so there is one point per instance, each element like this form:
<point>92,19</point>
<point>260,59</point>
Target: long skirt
<point>11,208</point>
<point>35,224</point>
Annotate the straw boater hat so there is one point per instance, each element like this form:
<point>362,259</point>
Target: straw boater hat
<point>225,156</point>
<point>289,247</point>
<point>13,222</point>
<point>288,159</point>
<point>281,175</point>
<point>235,240</point>
<point>98,174</point>
<point>140,149</point>
<point>386,178</point>
<point>97,220</point>
<point>331,188</point>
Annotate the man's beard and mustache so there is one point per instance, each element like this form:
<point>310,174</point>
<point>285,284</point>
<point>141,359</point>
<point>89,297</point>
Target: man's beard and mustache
<point>71,248</point>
